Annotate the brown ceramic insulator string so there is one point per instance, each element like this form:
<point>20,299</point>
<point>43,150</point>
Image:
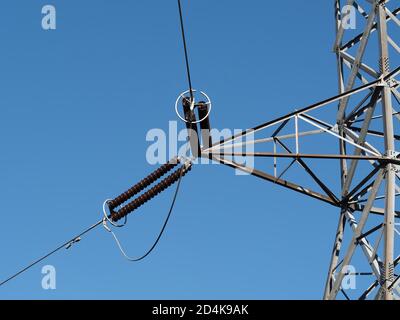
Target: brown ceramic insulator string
<point>182,171</point>
<point>153,177</point>
<point>150,194</point>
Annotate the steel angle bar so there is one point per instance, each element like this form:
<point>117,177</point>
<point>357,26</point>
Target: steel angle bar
<point>334,264</point>
<point>358,75</point>
<point>298,112</point>
<point>378,211</point>
<point>392,74</point>
<point>358,110</point>
<point>354,137</point>
<point>363,66</point>
<point>371,231</point>
<point>345,295</point>
<point>351,43</point>
<point>393,44</point>
<point>367,249</point>
<point>377,242</point>
<point>319,121</point>
<point>340,32</point>
<point>361,138</point>
<point>349,195</point>
<point>357,62</point>
<point>393,16</point>
<point>281,182</point>
<point>340,137</point>
<point>360,9</point>
<point>355,198</point>
<point>395,93</point>
<point>286,169</point>
<point>357,232</point>
<point>367,292</point>
<point>374,118</point>
<point>300,155</point>
<point>377,198</point>
<point>283,124</point>
<point>389,149</point>
<point>266,140</point>
<point>322,185</point>
<point>374,132</point>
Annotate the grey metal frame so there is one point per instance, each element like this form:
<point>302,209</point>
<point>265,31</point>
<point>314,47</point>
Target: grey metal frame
<point>355,104</point>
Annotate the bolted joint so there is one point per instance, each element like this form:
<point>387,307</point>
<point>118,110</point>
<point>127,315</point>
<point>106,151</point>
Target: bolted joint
<point>338,127</point>
<point>392,154</point>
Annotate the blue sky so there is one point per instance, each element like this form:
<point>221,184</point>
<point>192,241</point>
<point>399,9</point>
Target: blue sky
<point>76,104</point>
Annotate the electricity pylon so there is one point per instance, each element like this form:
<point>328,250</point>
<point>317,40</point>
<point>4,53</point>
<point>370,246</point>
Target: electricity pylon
<point>360,121</point>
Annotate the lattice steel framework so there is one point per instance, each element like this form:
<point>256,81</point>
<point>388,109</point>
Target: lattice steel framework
<point>368,66</point>
<point>362,122</point>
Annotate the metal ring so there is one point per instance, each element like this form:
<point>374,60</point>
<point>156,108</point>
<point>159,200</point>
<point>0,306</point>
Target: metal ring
<point>110,221</point>
<point>181,96</point>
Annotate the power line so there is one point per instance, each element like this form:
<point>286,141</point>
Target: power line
<point>185,49</point>
<point>175,177</point>
<point>64,245</point>
<point>70,242</point>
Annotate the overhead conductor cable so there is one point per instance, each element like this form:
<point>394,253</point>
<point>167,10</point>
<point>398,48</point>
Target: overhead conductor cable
<point>124,211</point>
<point>117,209</point>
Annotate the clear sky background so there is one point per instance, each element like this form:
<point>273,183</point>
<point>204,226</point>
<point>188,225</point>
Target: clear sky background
<point>76,104</point>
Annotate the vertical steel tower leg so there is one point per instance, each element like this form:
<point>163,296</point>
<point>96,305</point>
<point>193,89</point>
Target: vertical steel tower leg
<point>383,269</point>
<point>390,152</point>
<point>343,168</point>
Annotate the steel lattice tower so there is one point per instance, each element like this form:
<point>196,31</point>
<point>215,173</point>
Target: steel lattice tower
<point>354,133</point>
<point>361,120</point>
<point>382,262</point>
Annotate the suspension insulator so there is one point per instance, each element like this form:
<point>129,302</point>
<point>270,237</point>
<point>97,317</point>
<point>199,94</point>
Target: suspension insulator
<point>191,126</point>
<point>153,177</point>
<point>150,194</point>
<point>205,127</point>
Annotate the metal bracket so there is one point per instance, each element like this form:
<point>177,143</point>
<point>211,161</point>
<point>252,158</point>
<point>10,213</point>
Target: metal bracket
<point>69,245</point>
<point>383,83</point>
<point>335,128</point>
